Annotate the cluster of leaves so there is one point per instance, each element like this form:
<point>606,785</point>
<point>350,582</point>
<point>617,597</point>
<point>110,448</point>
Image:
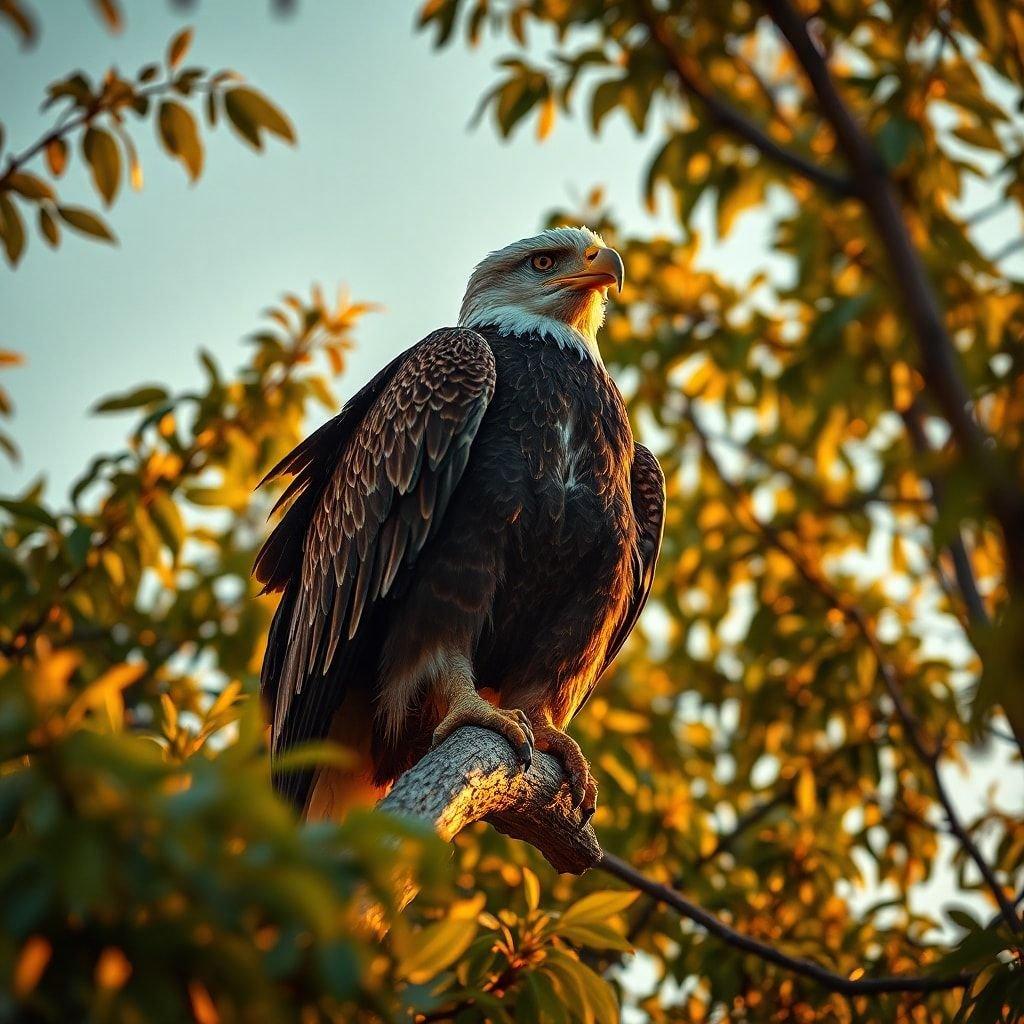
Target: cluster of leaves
<point>752,753</point>
<point>141,881</point>
<point>98,115</point>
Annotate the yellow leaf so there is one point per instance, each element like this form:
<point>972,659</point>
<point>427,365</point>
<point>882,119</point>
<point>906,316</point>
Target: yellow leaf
<point>112,681</point>
<point>170,716</point>
<point>597,907</point>
<point>531,885</point>
<point>203,1008</point>
<point>112,969</point>
<point>546,120</point>
<point>434,948</point>
<point>32,961</point>
<point>806,792</point>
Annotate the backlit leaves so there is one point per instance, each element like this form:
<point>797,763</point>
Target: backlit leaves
<point>104,159</point>
<point>179,47</point>
<point>85,222</point>
<point>180,136</point>
<point>102,112</point>
<point>251,114</point>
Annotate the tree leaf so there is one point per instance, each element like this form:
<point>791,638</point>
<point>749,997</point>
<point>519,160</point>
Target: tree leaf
<point>180,136</point>
<point>111,14</point>
<point>132,399</point>
<point>434,948</point>
<point>29,186</point>
<point>249,111</point>
<point>57,156</point>
<point>30,510</point>
<point>313,755</point>
<point>86,222</point>
<point>104,159</point>
<point>12,230</point>
<point>599,995</point>
<point>114,680</point>
<point>597,907</point>
<point>48,227</point>
<point>179,47</point>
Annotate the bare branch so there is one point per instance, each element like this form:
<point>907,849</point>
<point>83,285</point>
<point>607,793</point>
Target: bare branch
<point>725,115</point>
<point>798,965</point>
<point>474,775</point>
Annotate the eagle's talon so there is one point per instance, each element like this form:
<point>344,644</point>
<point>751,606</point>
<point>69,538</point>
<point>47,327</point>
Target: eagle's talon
<point>469,708</point>
<point>582,788</point>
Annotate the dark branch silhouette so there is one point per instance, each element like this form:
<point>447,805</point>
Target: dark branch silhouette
<point>475,775</point>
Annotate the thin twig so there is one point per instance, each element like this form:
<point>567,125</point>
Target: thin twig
<point>726,115</point>
<point>798,965</point>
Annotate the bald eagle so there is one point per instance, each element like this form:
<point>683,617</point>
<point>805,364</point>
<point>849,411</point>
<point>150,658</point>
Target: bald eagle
<point>471,540</point>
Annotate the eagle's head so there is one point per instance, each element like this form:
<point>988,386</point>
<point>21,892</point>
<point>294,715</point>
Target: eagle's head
<point>554,284</point>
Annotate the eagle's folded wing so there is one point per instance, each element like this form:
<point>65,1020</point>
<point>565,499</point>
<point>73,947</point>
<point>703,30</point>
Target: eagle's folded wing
<point>365,517</point>
<point>648,497</point>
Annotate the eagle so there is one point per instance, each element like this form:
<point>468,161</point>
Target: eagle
<point>470,541</point>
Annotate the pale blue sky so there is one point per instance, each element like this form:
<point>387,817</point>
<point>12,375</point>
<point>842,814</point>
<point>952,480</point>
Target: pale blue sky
<point>388,191</point>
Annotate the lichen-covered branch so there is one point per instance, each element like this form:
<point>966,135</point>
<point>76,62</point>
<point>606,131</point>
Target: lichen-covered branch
<point>475,776</point>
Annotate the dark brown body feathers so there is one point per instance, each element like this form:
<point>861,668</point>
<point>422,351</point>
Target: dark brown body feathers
<point>482,493</point>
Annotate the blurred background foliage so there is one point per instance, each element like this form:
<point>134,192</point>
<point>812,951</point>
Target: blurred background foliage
<point>833,654</point>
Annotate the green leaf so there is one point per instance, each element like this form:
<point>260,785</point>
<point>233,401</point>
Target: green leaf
<point>898,134</point>
<point>180,136</point>
<point>830,324</point>
<point>86,222</point>
<point>313,755</point>
<point>103,156</point>
<point>167,520</point>
<point>599,996</point>
<point>78,542</point>
<point>434,948</point>
<point>249,111</point>
<point>597,907</point>
<point>605,99</point>
<point>12,230</point>
<point>131,399</point>
<point>30,510</point>
<point>595,936</point>
<point>179,47</point>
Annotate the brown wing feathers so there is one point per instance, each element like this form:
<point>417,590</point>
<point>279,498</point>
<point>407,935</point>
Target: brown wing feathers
<point>648,498</point>
<point>365,510</point>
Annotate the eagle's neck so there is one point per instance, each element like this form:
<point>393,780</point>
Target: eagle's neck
<point>519,322</point>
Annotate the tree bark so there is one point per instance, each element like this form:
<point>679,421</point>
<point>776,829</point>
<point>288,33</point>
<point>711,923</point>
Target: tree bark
<point>475,776</point>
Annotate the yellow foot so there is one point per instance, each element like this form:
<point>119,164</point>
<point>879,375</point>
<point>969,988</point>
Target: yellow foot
<point>472,709</point>
<point>581,782</point>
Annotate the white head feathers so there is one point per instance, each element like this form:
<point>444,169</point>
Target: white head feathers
<point>537,286</point>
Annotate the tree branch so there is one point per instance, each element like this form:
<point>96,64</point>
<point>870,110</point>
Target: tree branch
<point>726,116</point>
<point>474,775</point>
<point>806,968</point>
<point>940,363</point>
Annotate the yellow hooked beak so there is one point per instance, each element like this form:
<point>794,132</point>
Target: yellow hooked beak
<point>602,268</point>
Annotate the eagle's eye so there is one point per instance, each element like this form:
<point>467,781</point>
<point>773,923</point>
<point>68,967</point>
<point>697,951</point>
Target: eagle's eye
<point>542,262</point>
